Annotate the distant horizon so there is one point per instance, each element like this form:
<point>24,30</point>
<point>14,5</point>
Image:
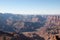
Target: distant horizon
<point>29,14</point>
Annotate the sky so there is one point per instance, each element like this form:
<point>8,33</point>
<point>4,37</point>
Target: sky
<point>35,7</point>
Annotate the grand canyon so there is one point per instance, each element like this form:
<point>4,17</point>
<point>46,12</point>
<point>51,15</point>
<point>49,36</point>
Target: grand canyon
<point>29,27</point>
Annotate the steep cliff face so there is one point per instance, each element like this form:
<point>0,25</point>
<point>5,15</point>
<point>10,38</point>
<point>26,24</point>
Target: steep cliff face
<point>53,23</point>
<point>53,20</point>
<point>51,27</point>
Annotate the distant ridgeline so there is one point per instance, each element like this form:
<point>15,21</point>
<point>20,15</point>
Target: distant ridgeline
<point>26,23</point>
<point>21,23</point>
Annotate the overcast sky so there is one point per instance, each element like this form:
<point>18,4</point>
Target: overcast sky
<point>30,6</point>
